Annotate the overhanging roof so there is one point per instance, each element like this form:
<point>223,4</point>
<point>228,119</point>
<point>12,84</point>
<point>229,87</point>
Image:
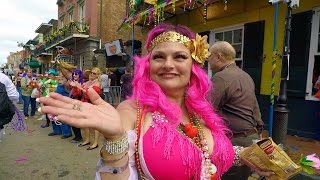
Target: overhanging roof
<point>44,27</point>
<point>70,38</point>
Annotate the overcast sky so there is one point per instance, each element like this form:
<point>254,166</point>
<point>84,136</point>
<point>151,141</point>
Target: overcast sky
<point>18,21</point>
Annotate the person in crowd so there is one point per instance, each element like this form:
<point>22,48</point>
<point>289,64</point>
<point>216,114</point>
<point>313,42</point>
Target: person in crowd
<point>112,78</point>
<point>50,86</point>
<point>94,83</point>
<point>86,75</point>
<point>43,91</point>
<point>125,81</point>
<point>18,86</point>
<point>105,84</point>
<point>168,128</point>
<point>61,128</point>
<point>76,93</point>
<point>12,92</point>
<point>26,90</point>
<point>235,100</point>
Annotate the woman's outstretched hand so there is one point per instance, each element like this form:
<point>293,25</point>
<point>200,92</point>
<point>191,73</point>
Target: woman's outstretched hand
<point>99,115</point>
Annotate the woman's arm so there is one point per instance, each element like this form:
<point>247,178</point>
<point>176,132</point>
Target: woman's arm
<point>110,122</point>
<point>127,111</point>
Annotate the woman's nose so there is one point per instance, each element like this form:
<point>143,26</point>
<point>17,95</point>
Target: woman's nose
<point>169,63</point>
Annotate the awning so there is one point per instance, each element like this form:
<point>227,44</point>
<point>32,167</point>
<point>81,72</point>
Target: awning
<point>34,64</point>
<point>45,58</point>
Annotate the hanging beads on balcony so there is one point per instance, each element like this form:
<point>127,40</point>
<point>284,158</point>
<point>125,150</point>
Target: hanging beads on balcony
<point>205,13</point>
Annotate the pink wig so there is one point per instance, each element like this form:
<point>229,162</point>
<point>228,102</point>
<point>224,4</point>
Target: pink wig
<point>150,96</point>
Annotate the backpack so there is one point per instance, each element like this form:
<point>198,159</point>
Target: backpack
<point>7,109</point>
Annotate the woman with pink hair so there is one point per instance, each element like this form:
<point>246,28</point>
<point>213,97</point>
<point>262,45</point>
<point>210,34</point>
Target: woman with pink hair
<point>167,129</point>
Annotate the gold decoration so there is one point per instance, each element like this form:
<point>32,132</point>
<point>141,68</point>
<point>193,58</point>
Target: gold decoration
<point>169,36</point>
<point>153,2</point>
<point>199,47</point>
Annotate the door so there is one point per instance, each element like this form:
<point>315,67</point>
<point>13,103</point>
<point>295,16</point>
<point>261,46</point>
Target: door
<point>314,57</point>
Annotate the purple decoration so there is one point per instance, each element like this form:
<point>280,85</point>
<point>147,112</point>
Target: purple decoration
<point>17,122</point>
<point>151,10</point>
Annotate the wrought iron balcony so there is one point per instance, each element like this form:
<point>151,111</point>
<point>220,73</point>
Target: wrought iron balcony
<point>39,49</point>
<point>66,31</point>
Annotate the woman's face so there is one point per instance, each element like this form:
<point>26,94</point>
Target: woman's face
<point>170,66</point>
<point>93,75</point>
<point>75,76</point>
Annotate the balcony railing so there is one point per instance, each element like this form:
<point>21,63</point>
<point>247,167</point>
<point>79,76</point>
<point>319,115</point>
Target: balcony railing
<point>66,31</point>
<point>40,49</point>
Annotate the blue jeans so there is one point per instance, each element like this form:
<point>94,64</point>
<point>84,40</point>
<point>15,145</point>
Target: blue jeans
<point>26,101</point>
<point>20,95</point>
<point>63,129</point>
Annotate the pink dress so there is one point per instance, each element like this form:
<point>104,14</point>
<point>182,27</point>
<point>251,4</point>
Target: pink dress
<point>165,149</point>
<point>164,153</point>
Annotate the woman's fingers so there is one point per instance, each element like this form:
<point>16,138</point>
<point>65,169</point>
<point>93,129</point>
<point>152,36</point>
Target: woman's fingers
<point>48,101</point>
<point>64,99</point>
<point>76,122</point>
<point>62,111</point>
<point>94,97</point>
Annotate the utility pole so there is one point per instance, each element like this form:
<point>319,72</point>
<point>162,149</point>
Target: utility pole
<point>281,110</point>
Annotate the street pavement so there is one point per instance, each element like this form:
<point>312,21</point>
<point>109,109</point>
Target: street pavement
<point>35,155</point>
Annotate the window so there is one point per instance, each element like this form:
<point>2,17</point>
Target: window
<point>233,35</point>
<point>82,11</point>
<point>61,21</point>
<point>70,16</point>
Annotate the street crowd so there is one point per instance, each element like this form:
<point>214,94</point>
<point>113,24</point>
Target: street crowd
<point>26,86</point>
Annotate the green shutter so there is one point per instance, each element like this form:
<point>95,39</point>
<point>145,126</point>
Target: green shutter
<point>299,53</point>
<point>253,51</point>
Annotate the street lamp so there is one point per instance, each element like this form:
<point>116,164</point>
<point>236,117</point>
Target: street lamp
<point>280,125</point>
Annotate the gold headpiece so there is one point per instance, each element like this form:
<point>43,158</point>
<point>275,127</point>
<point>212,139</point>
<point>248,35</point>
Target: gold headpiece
<point>198,47</point>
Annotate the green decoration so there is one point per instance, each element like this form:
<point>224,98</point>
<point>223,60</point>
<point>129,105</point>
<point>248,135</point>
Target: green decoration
<point>306,165</point>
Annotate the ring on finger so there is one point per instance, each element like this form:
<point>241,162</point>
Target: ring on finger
<point>76,107</point>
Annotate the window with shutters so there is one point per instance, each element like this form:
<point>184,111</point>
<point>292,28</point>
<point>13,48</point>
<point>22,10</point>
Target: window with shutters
<point>244,38</point>
<point>234,35</point>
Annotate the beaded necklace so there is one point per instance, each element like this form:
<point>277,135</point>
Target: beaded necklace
<point>138,132</point>
<point>208,170</point>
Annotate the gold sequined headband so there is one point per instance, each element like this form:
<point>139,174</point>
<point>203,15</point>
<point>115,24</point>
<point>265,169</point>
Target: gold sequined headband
<point>198,47</point>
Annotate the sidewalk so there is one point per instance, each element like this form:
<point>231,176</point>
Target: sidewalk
<point>297,146</point>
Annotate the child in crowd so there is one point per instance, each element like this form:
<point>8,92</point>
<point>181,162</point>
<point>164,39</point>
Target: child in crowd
<point>61,128</point>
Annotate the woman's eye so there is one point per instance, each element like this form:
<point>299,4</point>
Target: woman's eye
<point>181,57</point>
<point>157,57</point>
